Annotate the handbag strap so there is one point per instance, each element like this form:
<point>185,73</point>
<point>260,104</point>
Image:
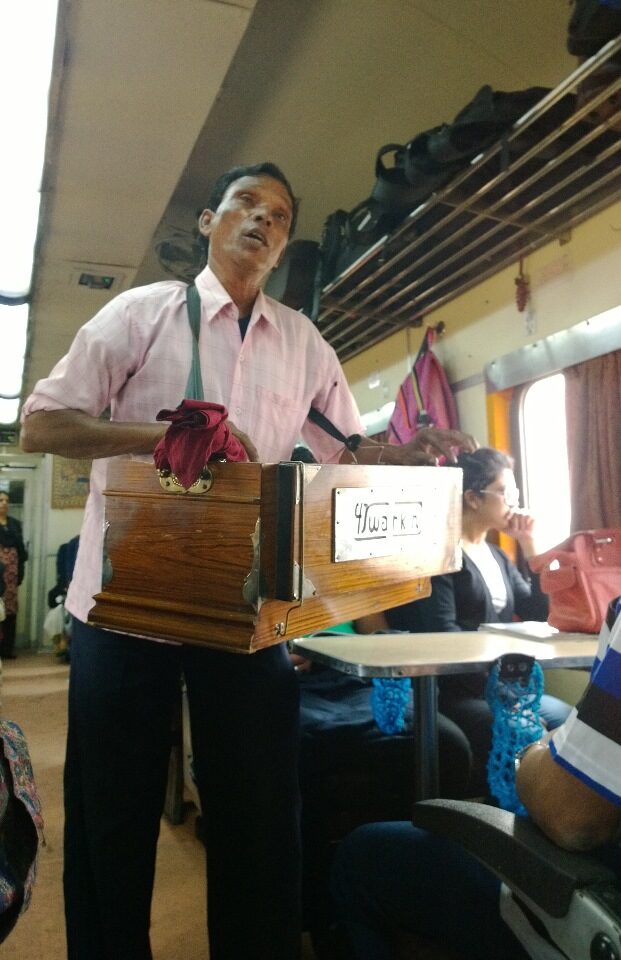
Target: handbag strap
<point>194,388</point>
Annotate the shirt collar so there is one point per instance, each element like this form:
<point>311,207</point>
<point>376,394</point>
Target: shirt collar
<point>215,299</point>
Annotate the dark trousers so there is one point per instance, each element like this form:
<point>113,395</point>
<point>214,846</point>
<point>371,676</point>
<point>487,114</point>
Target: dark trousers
<point>244,716</point>
<point>391,879</point>
<point>7,635</point>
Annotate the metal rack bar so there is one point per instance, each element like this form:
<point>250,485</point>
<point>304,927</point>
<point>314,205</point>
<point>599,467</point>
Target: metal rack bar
<point>444,196</point>
<point>523,230</point>
<point>406,274</point>
<point>566,86</point>
<point>356,345</point>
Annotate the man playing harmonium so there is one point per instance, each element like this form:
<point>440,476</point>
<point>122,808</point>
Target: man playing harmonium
<point>267,364</point>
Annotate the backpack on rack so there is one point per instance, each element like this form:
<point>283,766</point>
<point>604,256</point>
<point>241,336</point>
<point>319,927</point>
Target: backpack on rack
<point>434,157</point>
<point>417,170</point>
<point>592,24</point>
<point>347,236</point>
<point>293,281</point>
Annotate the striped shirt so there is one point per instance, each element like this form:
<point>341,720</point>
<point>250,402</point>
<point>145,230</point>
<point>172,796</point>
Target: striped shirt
<point>134,356</point>
<point>588,744</point>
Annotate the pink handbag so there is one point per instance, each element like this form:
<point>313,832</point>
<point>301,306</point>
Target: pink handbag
<point>581,576</point>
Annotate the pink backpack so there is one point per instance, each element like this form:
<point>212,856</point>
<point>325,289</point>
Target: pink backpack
<point>425,397</point>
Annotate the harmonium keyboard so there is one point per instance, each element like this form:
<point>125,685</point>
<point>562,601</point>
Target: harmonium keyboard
<point>254,554</point>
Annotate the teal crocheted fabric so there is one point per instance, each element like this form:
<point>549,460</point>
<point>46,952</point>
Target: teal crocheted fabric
<point>514,689</point>
<point>389,701</point>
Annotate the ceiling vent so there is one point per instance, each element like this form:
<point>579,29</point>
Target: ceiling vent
<point>96,281</point>
<point>110,278</point>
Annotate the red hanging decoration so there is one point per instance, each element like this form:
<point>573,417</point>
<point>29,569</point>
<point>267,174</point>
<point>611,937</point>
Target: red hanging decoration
<point>522,288</point>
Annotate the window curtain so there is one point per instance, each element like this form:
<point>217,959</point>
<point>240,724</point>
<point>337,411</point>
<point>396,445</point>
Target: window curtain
<point>593,405</point>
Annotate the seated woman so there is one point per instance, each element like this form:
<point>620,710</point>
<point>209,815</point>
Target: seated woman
<point>488,589</point>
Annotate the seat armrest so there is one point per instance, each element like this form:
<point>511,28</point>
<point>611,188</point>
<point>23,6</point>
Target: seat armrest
<point>515,850</point>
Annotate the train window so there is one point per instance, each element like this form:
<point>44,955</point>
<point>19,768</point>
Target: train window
<point>545,472</point>
<point>25,70</point>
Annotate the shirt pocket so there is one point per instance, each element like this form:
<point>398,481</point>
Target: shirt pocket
<point>281,402</point>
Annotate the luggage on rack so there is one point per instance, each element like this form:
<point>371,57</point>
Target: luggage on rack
<point>293,281</point>
<point>347,236</point>
<point>419,168</point>
<point>592,24</point>
<point>433,157</point>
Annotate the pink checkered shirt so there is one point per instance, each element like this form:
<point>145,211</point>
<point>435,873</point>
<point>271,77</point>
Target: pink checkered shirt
<point>134,356</point>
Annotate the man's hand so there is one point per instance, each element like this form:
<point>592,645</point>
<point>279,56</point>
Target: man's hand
<point>429,444</point>
<point>245,441</point>
<point>73,433</point>
<point>300,664</point>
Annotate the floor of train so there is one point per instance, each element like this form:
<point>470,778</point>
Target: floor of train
<point>34,693</point>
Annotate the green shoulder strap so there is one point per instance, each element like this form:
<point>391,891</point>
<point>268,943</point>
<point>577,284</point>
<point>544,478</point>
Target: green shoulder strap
<point>194,388</point>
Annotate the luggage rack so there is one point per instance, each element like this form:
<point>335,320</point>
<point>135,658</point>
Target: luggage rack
<point>554,169</point>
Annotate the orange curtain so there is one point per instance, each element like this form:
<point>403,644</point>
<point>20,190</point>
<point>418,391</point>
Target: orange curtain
<point>593,404</point>
<point>499,406</point>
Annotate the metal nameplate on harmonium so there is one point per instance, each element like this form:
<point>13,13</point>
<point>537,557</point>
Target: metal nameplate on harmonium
<point>258,553</point>
<point>378,521</point>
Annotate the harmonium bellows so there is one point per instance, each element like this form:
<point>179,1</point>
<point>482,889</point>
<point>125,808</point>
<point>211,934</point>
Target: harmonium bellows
<point>255,554</point>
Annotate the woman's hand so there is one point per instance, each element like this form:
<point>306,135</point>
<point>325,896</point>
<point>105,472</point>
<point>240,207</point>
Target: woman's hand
<point>522,526</point>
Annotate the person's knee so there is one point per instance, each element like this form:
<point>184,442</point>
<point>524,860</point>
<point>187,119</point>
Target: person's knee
<point>351,863</point>
<point>553,711</point>
<point>365,865</point>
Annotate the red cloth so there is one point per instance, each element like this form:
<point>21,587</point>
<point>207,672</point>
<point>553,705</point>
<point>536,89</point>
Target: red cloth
<point>198,433</point>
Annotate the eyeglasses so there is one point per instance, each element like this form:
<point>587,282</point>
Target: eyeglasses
<point>511,497</point>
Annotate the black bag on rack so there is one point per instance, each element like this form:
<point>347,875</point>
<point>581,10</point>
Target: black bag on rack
<point>592,24</point>
<point>418,169</point>
<point>332,242</point>
<point>293,281</point>
<point>347,236</point>
<point>435,156</point>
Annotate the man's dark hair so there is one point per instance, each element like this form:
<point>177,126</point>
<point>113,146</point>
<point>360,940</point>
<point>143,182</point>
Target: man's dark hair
<point>302,454</point>
<point>482,467</point>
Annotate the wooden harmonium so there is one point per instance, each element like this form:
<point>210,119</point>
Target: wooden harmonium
<point>267,552</point>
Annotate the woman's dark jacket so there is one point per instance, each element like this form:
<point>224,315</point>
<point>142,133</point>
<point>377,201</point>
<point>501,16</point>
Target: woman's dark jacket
<point>462,601</point>
<point>11,536</point>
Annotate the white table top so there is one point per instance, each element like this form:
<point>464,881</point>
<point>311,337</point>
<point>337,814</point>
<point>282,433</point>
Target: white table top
<point>425,654</point>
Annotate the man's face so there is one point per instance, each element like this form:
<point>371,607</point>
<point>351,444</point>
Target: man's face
<point>250,228</point>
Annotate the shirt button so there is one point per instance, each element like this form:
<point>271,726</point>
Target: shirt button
<point>238,410</point>
<point>241,359</point>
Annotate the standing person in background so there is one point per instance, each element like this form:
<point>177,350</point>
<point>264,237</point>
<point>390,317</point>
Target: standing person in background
<point>267,364</point>
<point>13,555</point>
<point>2,607</point>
